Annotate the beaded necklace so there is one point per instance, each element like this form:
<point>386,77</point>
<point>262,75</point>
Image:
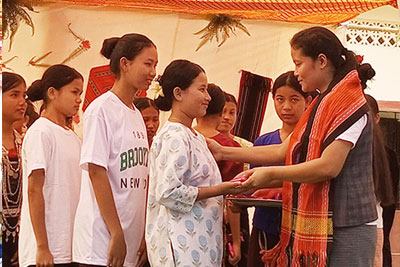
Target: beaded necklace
<point>11,194</point>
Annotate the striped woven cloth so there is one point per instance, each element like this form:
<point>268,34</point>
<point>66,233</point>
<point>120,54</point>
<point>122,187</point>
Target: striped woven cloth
<point>308,11</point>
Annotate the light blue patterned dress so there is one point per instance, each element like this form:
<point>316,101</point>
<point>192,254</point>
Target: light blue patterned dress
<point>181,231</point>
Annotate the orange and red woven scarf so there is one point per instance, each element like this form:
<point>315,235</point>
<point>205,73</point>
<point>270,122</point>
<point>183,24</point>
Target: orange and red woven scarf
<point>307,226</point>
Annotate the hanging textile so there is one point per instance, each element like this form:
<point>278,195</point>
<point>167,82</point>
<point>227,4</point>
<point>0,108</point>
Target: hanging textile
<point>101,79</point>
<point>253,96</point>
<point>311,11</point>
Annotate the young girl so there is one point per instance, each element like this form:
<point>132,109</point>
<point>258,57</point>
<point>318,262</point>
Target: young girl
<point>14,107</point>
<point>151,118</point>
<point>29,118</point>
<point>328,193</point>
<point>184,216</point>
<point>150,114</point>
<point>109,225</point>
<point>207,125</point>
<point>229,115</point>
<point>290,102</point>
<point>50,154</point>
<point>228,121</point>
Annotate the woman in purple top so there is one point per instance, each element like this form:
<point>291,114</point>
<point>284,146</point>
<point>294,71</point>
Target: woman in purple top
<point>290,102</point>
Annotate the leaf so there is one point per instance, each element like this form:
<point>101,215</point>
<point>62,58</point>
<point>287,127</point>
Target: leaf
<point>201,31</point>
<point>243,28</point>
<point>203,42</point>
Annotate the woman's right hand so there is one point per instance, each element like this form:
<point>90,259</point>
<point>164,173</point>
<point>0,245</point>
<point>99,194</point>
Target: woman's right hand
<point>44,258</point>
<point>215,148</point>
<point>117,250</point>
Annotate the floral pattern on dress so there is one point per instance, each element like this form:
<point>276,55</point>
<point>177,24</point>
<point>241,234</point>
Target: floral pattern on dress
<point>181,231</point>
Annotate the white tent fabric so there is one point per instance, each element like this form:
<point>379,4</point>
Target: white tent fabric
<point>266,52</point>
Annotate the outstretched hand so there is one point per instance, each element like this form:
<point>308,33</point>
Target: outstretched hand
<point>257,178</point>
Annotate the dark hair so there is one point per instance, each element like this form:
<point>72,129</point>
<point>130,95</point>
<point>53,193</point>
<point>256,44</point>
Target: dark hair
<point>179,73</point>
<point>380,162</point>
<point>365,73</point>
<point>319,40</point>
<point>217,103</point>
<point>31,113</point>
<point>372,104</point>
<point>11,80</point>
<point>56,76</point>
<point>230,98</point>
<point>142,103</point>
<point>128,46</point>
<point>288,79</point>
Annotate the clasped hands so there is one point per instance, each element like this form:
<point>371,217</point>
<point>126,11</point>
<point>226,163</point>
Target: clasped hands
<point>247,182</point>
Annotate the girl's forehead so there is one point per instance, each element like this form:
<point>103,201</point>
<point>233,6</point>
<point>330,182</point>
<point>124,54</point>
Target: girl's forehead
<point>297,52</point>
<point>21,87</point>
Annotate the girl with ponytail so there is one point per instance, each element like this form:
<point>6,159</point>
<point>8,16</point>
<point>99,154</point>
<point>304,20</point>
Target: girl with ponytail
<point>184,207</point>
<point>14,107</point>
<point>109,228</point>
<point>51,173</point>
<point>328,189</point>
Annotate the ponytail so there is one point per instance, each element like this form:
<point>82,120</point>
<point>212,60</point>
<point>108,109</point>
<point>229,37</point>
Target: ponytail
<point>56,77</point>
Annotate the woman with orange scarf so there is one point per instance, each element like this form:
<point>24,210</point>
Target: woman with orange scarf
<point>328,190</point>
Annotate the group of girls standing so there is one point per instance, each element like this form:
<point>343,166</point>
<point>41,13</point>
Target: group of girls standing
<point>85,204</point>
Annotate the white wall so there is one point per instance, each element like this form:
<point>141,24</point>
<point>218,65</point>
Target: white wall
<point>266,52</point>
<point>385,60</point>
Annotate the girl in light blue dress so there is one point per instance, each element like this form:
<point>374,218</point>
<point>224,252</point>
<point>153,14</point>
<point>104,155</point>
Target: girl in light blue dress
<point>184,209</point>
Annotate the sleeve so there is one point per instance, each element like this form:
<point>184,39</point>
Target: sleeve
<point>257,142</point>
<point>95,145</point>
<point>354,131</point>
<point>172,174</point>
<point>36,151</point>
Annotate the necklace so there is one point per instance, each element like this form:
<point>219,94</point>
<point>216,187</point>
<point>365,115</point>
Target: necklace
<point>12,190</point>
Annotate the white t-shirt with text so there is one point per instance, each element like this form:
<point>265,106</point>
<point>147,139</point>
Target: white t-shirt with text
<point>114,138</point>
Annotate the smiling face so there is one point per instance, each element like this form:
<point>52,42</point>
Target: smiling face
<point>151,120</point>
<point>228,118</point>
<point>195,98</point>
<point>140,72</point>
<point>67,99</point>
<point>289,104</point>
<point>14,103</point>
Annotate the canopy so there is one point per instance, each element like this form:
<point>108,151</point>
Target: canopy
<point>308,11</point>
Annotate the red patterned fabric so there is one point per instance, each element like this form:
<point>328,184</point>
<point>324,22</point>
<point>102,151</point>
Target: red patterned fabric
<point>101,79</point>
<point>306,214</point>
<point>311,11</point>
